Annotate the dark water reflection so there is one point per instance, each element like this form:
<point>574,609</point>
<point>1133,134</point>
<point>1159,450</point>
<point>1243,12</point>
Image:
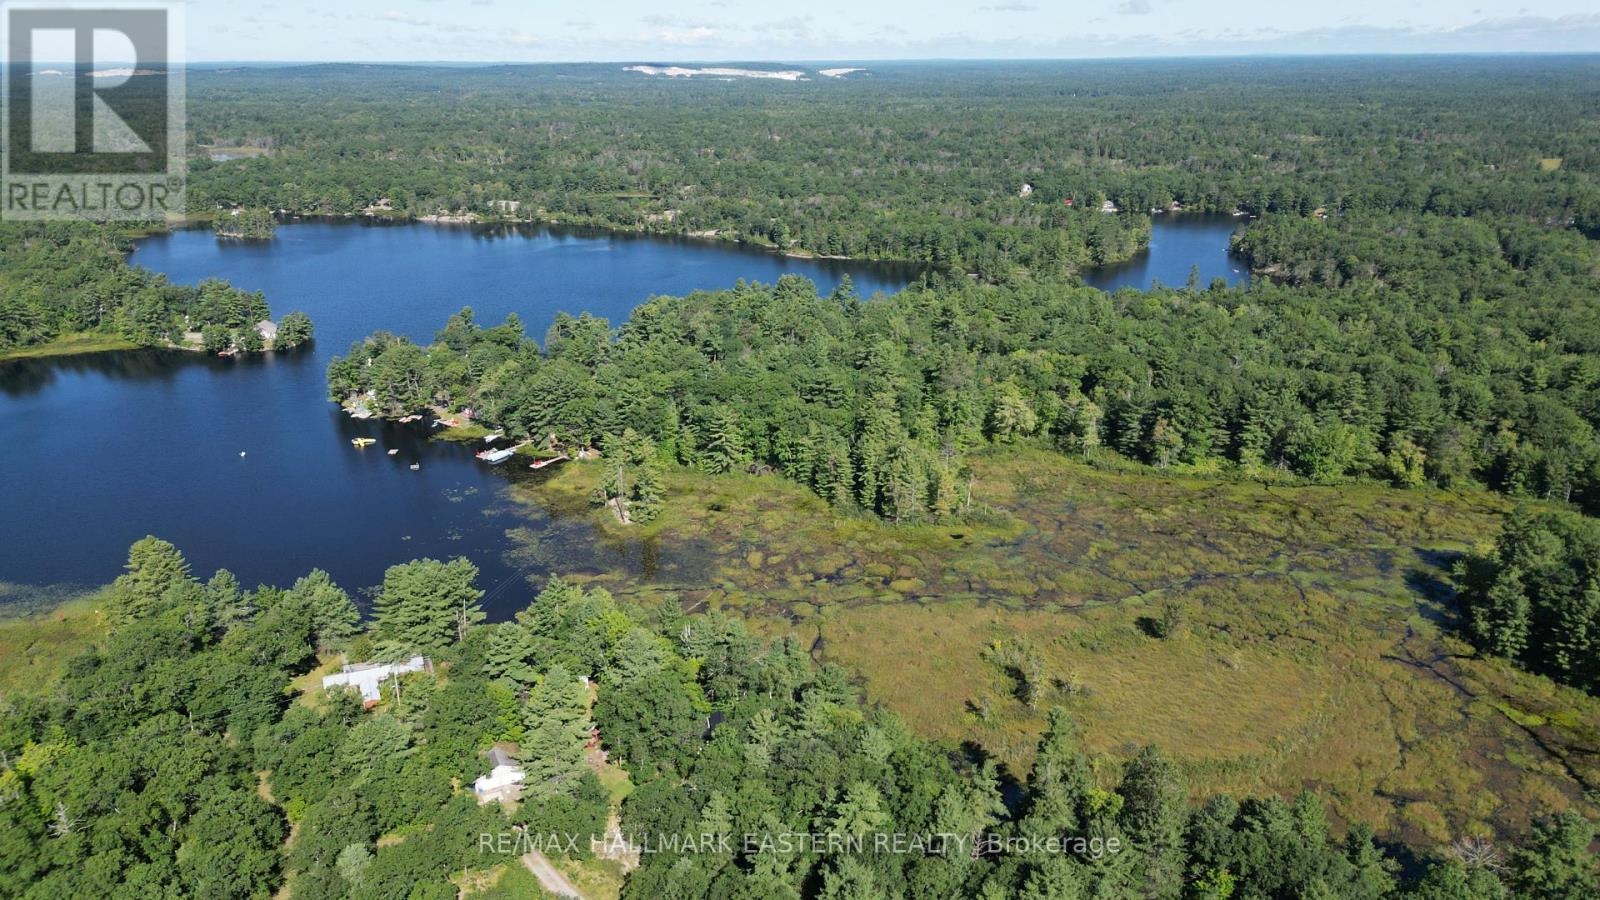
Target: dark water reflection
<point>1179,244</point>
<point>101,449</point>
<point>244,464</point>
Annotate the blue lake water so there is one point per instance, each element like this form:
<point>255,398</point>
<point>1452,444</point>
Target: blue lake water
<point>101,449</point>
<point>1179,244</point>
<point>244,464</point>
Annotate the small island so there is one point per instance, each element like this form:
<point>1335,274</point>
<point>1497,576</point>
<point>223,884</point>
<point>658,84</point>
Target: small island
<point>245,224</point>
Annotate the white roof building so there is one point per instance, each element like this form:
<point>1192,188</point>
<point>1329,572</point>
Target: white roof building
<point>504,780</point>
<point>369,677</point>
<point>500,782</point>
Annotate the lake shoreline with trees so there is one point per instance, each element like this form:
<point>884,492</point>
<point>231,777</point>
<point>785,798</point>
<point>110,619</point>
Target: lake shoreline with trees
<point>1269,575</point>
<point>63,283</point>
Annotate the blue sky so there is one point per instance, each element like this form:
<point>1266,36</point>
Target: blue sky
<point>702,30</point>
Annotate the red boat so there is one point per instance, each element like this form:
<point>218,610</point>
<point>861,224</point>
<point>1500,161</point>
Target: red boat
<point>541,463</point>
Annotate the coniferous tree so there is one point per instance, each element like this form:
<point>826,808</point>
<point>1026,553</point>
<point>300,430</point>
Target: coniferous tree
<point>1557,864</point>
<point>1153,815</point>
<point>425,605</point>
<point>555,727</point>
<point>334,615</point>
<point>154,568</point>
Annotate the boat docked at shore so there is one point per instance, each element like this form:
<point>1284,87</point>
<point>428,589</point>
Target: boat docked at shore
<point>496,456</point>
<point>541,463</point>
<point>363,443</point>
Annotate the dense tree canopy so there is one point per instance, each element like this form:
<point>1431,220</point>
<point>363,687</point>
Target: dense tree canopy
<point>1425,315</point>
<point>58,279</point>
<point>173,758</point>
<point>912,161</point>
<point>1443,350</point>
<point>1536,597</point>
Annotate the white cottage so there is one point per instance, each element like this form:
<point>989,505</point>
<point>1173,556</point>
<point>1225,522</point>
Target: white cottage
<point>368,678</point>
<point>504,781</point>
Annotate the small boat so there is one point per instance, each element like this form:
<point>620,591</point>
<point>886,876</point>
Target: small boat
<point>407,420</point>
<point>448,423</point>
<point>394,451</point>
<point>494,457</point>
<point>363,443</point>
<point>416,466</point>
<point>491,438</point>
<point>541,463</point>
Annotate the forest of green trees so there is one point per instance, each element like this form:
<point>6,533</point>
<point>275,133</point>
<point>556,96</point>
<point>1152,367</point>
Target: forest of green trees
<point>921,162</point>
<point>175,757</point>
<point>1425,313</point>
<point>1448,352</point>
<point>58,279</point>
<point>1536,597</point>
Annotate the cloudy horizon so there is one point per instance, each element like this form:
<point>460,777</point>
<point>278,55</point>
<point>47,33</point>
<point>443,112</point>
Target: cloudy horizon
<point>711,30</point>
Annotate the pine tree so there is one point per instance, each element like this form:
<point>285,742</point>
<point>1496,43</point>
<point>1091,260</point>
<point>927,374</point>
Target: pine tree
<point>426,604</point>
<point>946,491</point>
<point>725,448</point>
<point>334,616</point>
<point>1012,416</point>
<point>1166,440</point>
<point>1085,421</point>
<point>1557,863</point>
<point>1499,622</point>
<point>907,490</point>
<point>508,654</point>
<point>632,481</point>
<point>1154,812</point>
<point>881,433</point>
<point>1571,645</point>
<point>859,813</point>
<point>556,726</point>
<point>224,595</point>
<point>154,567</point>
<point>1060,779</point>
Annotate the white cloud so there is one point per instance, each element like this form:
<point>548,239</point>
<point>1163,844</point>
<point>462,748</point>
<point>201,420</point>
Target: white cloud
<point>405,19</point>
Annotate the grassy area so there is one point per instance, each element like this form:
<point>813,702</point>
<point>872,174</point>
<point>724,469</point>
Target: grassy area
<point>307,689</point>
<point>1314,648</point>
<point>68,344</point>
<point>598,879</point>
<point>470,432</point>
<point>507,881</point>
<point>36,645</point>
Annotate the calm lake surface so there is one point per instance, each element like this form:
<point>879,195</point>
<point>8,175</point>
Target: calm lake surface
<point>99,450</point>
<point>1179,244</point>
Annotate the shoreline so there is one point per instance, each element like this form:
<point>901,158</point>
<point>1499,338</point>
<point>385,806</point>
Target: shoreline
<point>473,220</point>
<point>706,236</point>
<point>71,344</point>
<point>84,343</point>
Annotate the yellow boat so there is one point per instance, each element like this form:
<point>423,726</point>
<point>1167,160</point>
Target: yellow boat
<point>363,442</point>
